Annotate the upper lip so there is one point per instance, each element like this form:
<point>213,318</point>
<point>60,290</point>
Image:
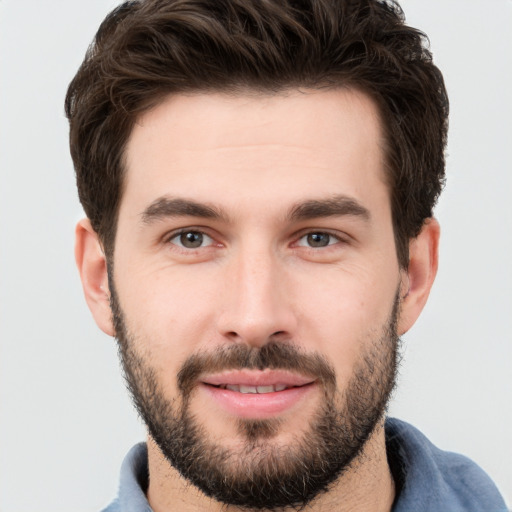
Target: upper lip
<point>265,377</point>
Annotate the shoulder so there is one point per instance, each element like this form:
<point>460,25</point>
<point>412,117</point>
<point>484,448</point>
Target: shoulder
<point>113,507</point>
<point>433,478</point>
<point>133,482</point>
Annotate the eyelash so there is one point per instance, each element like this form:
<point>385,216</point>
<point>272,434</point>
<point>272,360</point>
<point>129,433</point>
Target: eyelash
<point>180,233</point>
<point>337,239</point>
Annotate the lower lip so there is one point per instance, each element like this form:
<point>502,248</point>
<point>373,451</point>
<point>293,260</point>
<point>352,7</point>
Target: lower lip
<point>258,405</point>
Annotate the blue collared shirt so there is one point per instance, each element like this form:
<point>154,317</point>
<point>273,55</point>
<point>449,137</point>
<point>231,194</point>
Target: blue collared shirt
<point>427,479</point>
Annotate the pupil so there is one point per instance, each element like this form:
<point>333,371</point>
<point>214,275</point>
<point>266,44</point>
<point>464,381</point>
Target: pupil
<point>192,239</point>
<point>318,239</point>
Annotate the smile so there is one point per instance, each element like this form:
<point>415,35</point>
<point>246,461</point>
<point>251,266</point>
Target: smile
<point>254,389</point>
<point>257,394</point>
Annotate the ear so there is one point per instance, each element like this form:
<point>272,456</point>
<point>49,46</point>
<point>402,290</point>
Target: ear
<point>419,277</point>
<point>92,266</point>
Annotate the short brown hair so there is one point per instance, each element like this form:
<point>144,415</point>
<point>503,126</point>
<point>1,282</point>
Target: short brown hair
<point>147,49</point>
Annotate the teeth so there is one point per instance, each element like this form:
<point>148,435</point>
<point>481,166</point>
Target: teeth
<point>254,389</point>
<point>265,389</point>
<point>248,389</point>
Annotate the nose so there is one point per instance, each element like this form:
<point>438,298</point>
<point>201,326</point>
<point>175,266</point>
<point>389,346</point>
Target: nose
<point>257,300</point>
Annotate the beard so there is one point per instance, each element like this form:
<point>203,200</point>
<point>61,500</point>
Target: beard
<point>263,474</point>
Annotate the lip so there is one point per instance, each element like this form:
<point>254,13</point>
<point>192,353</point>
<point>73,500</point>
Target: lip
<point>257,405</point>
<point>257,378</point>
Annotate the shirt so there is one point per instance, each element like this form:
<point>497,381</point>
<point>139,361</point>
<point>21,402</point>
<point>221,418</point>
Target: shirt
<point>427,479</point>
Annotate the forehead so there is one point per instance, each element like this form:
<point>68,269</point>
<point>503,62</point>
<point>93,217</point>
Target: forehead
<point>287,145</point>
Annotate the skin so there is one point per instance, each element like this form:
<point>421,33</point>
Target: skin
<point>255,158</point>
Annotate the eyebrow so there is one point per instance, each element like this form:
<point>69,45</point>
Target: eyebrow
<point>338,205</point>
<point>165,207</point>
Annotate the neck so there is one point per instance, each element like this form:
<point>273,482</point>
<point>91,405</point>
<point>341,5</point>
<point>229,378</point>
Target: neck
<point>366,486</point>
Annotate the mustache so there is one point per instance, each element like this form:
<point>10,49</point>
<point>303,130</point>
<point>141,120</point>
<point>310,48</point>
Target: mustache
<point>273,356</point>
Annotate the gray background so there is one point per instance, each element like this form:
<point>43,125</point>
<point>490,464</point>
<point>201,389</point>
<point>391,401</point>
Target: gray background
<point>65,419</point>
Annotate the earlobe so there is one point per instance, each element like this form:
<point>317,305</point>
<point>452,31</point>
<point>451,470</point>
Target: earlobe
<point>92,266</point>
<point>417,281</point>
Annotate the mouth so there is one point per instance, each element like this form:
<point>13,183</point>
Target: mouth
<point>240,388</point>
<point>257,394</point>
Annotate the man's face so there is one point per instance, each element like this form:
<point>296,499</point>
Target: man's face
<point>255,284</point>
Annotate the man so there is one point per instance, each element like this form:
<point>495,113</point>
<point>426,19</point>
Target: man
<point>259,179</point>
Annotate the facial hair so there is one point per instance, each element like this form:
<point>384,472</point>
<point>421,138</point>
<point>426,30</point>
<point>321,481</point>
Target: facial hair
<point>264,474</point>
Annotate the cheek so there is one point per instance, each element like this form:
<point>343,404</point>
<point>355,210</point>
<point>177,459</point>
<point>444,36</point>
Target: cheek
<point>169,314</point>
<point>344,316</point>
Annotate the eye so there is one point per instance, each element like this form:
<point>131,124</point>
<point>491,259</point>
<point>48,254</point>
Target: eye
<point>191,239</point>
<point>317,239</point>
